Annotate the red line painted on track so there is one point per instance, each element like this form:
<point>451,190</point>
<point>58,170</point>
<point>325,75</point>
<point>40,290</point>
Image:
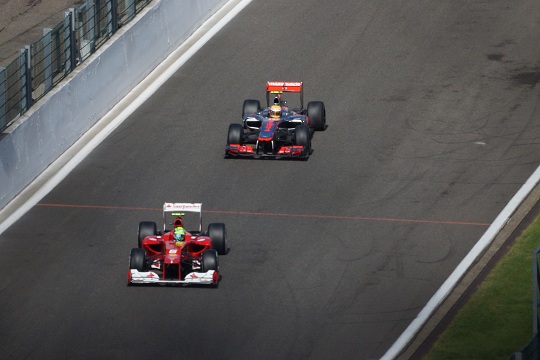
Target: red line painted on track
<point>312,216</point>
<point>99,207</point>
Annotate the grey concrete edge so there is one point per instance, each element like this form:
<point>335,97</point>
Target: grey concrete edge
<point>467,271</point>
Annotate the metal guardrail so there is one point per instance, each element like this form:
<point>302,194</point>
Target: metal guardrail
<point>43,64</point>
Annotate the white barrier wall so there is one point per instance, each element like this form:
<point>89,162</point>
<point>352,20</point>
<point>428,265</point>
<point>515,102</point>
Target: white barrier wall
<point>67,112</point>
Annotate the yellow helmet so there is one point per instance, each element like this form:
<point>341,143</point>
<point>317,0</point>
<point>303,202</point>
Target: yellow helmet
<point>179,233</point>
<point>275,112</point>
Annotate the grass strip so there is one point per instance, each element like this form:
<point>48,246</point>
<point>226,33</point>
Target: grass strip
<point>497,319</point>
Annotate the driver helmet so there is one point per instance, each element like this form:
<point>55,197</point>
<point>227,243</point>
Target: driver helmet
<point>275,111</point>
<point>179,234</point>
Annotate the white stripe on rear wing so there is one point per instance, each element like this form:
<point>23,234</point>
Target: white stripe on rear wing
<point>185,207</point>
<point>182,207</point>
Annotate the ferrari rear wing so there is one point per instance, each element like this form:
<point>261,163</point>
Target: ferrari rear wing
<point>181,208</point>
<point>279,87</point>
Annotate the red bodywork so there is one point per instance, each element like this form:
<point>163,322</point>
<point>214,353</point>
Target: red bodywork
<point>162,250</point>
<point>162,259</point>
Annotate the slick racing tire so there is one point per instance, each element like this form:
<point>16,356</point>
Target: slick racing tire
<point>146,228</point>
<point>235,134</point>
<point>137,259</point>
<point>209,260</point>
<point>251,107</point>
<point>317,115</point>
<point>302,137</point>
<point>218,233</point>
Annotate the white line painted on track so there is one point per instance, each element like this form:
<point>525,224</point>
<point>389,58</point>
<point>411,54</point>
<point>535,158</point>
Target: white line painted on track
<point>60,168</point>
<point>463,267</point>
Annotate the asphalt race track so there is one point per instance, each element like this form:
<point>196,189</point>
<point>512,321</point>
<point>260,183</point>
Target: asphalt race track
<point>433,125</point>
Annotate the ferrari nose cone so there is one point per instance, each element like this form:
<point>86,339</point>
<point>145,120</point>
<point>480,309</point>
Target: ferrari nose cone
<point>172,256</point>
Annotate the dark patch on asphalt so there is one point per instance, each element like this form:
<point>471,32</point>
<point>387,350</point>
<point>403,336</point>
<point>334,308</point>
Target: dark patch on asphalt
<point>530,77</point>
<point>495,57</point>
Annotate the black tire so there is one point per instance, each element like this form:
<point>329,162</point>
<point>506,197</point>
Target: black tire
<point>317,115</point>
<point>218,233</point>
<point>251,107</point>
<point>209,260</point>
<point>235,134</point>
<point>146,228</point>
<point>137,259</point>
<point>302,137</point>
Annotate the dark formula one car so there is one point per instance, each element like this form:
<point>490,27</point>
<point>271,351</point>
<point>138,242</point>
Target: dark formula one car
<point>277,130</point>
<point>176,256</point>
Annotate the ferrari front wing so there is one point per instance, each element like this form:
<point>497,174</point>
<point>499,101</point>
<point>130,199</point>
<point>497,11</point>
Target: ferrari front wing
<point>210,277</point>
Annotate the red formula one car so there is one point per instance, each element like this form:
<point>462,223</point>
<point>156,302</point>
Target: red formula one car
<point>277,130</point>
<point>177,256</point>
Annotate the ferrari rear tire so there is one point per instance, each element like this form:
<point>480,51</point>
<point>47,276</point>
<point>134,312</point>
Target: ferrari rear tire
<point>209,260</point>
<point>317,115</point>
<point>218,233</point>
<point>251,107</point>
<point>137,259</point>
<point>235,134</point>
<point>302,137</point>
<point>146,228</point>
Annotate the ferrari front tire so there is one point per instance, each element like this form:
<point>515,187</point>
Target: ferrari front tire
<point>137,259</point>
<point>209,260</point>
